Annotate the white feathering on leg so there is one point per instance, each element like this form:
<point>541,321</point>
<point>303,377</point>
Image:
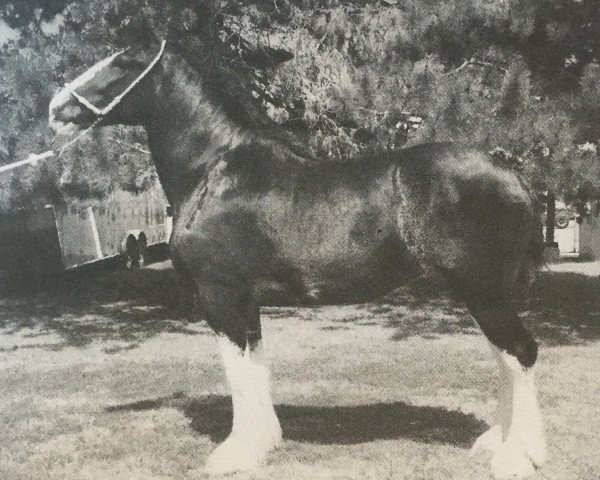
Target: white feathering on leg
<point>517,443</point>
<point>255,429</point>
<point>526,423</point>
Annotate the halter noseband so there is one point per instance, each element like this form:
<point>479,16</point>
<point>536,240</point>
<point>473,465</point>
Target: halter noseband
<point>100,112</point>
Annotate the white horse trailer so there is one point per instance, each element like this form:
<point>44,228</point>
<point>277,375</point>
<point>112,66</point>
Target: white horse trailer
<point>123,224</point>
<point>59,238</point>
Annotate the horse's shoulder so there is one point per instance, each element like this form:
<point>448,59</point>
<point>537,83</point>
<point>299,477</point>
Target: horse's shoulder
<point>254,167</point>
<point>257,156</point>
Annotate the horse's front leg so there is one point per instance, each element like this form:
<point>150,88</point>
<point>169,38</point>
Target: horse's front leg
<point>234,315</point>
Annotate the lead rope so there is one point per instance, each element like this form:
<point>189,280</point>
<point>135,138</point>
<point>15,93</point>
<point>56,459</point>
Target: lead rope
<point>34,158</point>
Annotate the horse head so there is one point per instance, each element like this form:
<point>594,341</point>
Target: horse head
<point>116,90</point>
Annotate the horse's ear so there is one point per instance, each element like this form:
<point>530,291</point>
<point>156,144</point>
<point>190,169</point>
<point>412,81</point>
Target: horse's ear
<point>137,30</point>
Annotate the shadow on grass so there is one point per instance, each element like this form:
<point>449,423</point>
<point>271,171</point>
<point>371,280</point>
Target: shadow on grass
<point>560,308</point>
<point>563,308</point>
<point>84,307</point>
<point>341,425</point>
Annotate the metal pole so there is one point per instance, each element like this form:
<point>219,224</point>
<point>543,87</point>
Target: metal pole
<point>95,235</point>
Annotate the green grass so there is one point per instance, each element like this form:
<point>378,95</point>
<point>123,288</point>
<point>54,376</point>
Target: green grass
<point>98,380</point>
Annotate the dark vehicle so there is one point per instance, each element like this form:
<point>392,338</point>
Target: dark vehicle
<point>563,216</point>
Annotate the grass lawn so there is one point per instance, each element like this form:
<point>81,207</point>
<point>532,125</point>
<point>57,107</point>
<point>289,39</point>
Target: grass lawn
<point>99,380</point>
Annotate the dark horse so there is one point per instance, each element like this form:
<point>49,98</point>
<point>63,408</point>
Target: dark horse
<point>255,213</point>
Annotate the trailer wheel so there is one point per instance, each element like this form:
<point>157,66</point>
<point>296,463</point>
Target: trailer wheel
<point>131,253</point>
<point>142,245</point>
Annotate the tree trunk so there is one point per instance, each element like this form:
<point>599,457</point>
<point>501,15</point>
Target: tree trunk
<point>550,218</point>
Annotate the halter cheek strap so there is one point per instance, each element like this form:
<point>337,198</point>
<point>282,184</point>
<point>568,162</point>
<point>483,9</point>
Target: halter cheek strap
<point>100,112</point>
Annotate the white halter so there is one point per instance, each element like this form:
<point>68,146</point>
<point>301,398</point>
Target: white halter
<point>33,158</point>
<point>100,112</point>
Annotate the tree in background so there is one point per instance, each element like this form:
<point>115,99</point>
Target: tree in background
<point>57,40</point>
<point>518,78</point>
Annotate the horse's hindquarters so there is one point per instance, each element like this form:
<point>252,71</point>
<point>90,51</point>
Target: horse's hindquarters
<point>469,219</point>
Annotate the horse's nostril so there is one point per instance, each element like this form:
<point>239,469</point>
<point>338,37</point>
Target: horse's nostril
<point>63,117</point>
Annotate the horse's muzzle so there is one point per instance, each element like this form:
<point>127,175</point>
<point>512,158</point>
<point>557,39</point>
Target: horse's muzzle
<point>66,116</point>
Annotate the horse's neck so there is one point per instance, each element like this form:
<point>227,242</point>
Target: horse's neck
<point>187,131</point>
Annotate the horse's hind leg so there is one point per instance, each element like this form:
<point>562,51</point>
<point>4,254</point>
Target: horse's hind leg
<point>234,316</point>
<point>517,442</point>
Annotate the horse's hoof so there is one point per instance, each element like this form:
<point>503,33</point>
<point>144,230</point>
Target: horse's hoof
<point>488,443</point>
<point>535,446</point>
<point>234,455</point>
<point>276,436</point>
<point>242,455</point>
<point>512,461</point>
